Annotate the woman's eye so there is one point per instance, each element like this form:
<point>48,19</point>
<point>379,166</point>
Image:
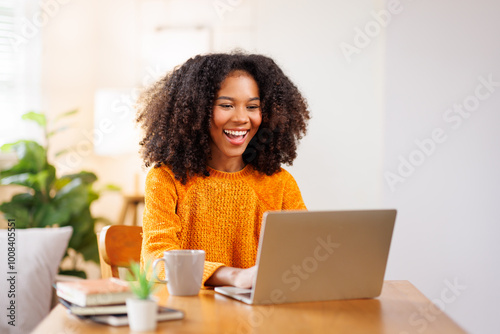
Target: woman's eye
<point>253,107</point>
<point>226,106</point>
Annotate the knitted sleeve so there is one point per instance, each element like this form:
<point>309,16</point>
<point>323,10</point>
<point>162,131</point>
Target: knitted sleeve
<point>292,198</point>
<point>161,226</point>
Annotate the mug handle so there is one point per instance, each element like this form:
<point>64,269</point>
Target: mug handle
<point>155,273</point>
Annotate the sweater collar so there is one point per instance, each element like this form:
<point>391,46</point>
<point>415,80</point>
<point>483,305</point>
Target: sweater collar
<point>230,176</point>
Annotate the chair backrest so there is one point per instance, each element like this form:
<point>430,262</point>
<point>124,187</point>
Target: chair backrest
<point>118,246</point>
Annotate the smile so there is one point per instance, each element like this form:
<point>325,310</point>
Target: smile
<point>236,137</point>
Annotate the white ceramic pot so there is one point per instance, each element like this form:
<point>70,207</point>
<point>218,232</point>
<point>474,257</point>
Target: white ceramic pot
<point>142,314</point>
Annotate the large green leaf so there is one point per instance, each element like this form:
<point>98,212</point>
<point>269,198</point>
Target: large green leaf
<point>26,199</point>
<point>73,196</point>
<point>46,214</point>
<point>32,158</point>
<point>24,179</point>
<point>39,182</point>
<point>18,211</point>
<point>36,117</point>
<point>86,177</point>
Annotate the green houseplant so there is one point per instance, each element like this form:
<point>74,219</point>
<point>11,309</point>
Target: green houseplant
<point>142,309</point>
<point>50,200</point>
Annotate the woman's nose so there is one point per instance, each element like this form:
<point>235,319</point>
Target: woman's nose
<point>240,114</point>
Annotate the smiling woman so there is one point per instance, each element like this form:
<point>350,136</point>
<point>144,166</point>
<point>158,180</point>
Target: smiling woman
<point>217,130</point>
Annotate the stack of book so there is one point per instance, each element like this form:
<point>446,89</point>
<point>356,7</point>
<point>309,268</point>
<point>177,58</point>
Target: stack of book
<point>103,301</point>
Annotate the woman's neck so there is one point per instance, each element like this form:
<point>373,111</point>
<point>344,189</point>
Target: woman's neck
<point>228,165</point>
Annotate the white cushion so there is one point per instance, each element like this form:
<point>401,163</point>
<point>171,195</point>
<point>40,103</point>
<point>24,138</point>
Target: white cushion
<point>38,254</point>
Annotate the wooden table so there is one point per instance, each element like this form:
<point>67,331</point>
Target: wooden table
<point>401,309</point>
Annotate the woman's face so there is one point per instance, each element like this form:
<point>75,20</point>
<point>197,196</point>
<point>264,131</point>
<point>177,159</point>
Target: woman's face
<point>236,118</point>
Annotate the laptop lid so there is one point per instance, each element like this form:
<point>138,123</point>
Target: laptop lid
<point>325,255</point>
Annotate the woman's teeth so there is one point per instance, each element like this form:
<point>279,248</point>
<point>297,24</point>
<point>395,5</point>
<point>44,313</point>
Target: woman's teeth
<point>235,133</point>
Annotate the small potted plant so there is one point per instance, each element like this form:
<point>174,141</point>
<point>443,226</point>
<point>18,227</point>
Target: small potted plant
<point>143,308</point>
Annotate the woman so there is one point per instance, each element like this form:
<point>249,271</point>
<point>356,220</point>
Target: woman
<point>217,130</point>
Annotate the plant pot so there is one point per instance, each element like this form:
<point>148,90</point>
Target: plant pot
<point>142,314</point>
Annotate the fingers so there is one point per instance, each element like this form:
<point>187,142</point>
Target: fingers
<point>245,277</point>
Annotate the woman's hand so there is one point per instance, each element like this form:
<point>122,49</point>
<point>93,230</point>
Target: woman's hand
<point>244,277</point>
<point>240,278</point>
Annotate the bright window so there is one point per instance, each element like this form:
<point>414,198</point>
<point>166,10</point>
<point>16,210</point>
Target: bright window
<point>20,62</point>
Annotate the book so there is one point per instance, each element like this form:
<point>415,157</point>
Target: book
<point>164,314</point>
<point>94,310</point>
<point>94,292</point>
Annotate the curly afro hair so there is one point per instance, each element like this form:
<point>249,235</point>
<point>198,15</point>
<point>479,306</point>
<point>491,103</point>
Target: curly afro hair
<point>175,114</point>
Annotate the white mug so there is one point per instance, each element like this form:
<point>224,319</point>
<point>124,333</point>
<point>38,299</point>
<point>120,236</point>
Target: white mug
<point>183,271</point>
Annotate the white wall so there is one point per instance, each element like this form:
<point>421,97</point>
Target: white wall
<point>447,227</point>
<point>340,159</point>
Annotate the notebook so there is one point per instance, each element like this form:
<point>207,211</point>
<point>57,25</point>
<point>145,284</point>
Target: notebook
<point>319,255</point>
<point>164,314</point>
<point>94,292</point>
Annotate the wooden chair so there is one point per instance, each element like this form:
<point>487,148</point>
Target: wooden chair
<point>118,246</point>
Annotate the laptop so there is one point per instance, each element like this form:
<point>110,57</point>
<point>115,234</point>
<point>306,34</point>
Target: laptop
<point>308,256</point>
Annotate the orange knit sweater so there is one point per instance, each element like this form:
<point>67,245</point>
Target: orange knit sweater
<point>220,214</point>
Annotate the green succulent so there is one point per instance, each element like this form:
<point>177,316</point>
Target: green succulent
<point>139,283</point>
